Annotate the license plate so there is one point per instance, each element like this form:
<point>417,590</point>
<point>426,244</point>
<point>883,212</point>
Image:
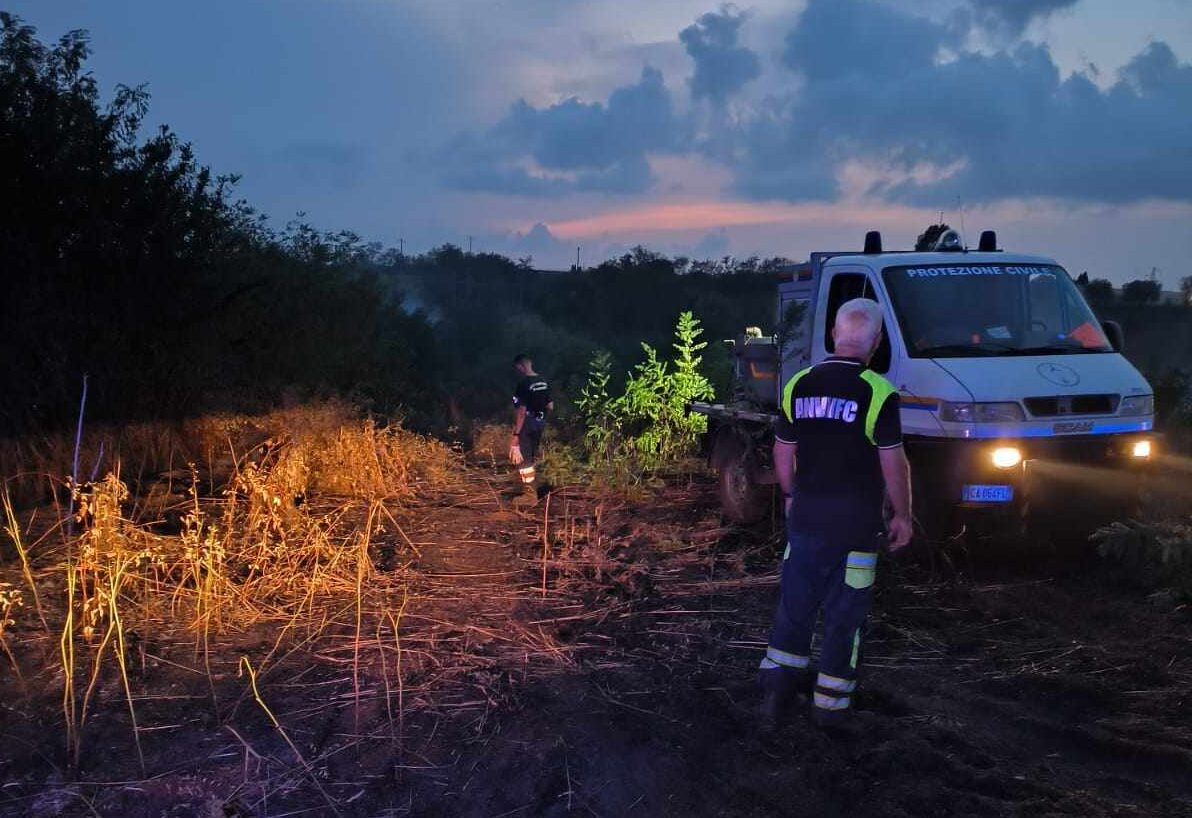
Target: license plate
<point>988,494</point>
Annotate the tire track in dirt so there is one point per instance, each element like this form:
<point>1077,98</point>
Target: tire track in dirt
<point>656,716</point>
<point>628,686</point>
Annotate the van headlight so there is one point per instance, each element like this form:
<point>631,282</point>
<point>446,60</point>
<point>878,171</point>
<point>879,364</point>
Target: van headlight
<point>1135,405</point>
<point>1006,412</point>
<point>1006,457</point>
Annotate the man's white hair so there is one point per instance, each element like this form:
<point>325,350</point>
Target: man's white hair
<point>858,323</point>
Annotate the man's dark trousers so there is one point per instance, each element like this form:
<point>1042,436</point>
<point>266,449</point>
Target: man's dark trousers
<point>837,578</point>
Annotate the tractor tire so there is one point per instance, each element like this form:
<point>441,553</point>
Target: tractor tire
<point>742,499</point>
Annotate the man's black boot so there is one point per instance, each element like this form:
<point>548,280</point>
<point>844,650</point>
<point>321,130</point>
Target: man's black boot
<point>781,689</point>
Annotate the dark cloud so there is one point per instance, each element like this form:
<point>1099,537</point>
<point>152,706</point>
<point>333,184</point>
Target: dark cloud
<point>722,66</point>
<point>581,146</point>
<point>895,90</point>
<point>844,50</point>
<point>847,37</point>
<point>576,135</point>
<point>1013,16</point>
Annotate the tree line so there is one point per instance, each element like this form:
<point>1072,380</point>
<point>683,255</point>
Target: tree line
<point>131,264</point>
<point>1100,292</point>
<point>128,262</point>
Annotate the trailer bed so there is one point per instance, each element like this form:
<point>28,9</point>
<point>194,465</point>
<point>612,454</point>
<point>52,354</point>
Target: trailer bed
<point>721,410</point>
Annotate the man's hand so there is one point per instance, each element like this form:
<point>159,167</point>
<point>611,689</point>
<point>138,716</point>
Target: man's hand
<point>784,470</point>
<point>900,532</point>
<point>897,473</point>
<point>515,455</point>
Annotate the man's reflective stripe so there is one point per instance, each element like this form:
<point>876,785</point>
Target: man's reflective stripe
<point>785,659</point>
<point>882,390</point>
<point>856,648</point>
<point>826,702</point>
<point>835,683</point>
<point>788,393</point>
<point>769,664</point>
<point>861,559</point>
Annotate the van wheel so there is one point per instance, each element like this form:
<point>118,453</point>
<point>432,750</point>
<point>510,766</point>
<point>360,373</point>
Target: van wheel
<point>741,498</point>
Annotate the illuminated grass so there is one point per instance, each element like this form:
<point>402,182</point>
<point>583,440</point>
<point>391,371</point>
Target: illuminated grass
<point>286,536</point>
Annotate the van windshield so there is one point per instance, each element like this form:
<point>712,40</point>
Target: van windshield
<point>968,310</point>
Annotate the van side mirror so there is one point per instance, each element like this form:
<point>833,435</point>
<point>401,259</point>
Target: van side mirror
<point>1115,335</point>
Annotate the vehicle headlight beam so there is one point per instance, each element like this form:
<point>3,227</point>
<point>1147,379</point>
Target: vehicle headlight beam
<point>1006,457</point>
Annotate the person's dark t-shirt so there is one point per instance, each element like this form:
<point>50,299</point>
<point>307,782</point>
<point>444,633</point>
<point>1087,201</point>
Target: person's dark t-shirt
<point>839,414</point>
<point>533,393</point>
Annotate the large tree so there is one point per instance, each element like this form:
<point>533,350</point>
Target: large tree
<point>1099,292</point>
<point>1141,291</point>
<point>930,236</point>
<point>128,261</point>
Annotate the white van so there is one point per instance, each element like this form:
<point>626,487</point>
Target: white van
<point>1002,369</point>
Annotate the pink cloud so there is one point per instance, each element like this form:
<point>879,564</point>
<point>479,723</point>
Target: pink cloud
<point>705,215</point>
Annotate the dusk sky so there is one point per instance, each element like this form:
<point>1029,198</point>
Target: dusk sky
<point>768,128</point>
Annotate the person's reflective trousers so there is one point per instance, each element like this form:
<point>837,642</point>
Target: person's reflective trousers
<point>820,575</point>
<point>528,440</point>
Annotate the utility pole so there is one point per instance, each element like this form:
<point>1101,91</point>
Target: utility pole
<point>469,245</point>
<point>577,249</point>
<point>401,248</point>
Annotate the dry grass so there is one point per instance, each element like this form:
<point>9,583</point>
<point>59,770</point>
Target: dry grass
<point>299,582</point>
<point>280,542</point>
<point>153,457</point>
<point>355,632</point>
<point>490,443</point>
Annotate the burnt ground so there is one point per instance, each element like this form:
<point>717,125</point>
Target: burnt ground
<point>1009,679</point>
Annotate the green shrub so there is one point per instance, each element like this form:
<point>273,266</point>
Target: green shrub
<point>1173,407</point>
<point>1153,554</point>
<point>654,406</point>
<point>598,411</point>
<point>647,427</point>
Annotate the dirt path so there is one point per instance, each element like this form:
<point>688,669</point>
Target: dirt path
<point>1020,686</point>
<point>1028,688</point>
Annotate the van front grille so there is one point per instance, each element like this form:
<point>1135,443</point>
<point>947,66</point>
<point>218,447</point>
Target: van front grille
<point>1064,405</point>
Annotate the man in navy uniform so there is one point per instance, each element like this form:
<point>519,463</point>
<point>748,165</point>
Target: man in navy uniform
<point>531,402</point>
<point>842,420</point>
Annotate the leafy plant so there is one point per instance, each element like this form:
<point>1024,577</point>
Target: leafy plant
<point>1153,554</point>
<point>647,427</point>
<point>793,327</point>
<point>644,411</point>
<point>597,409</point>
